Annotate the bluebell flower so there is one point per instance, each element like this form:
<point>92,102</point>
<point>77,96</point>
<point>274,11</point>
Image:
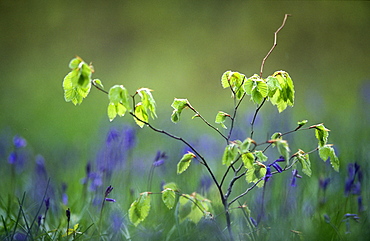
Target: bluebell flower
<point>277,167</point>
<point>117,221</point>
<point>110,200</point>
<point>205,183</point>
<point>268,173</point>
<point>353,186</point>
<point>47,203</point>
<point>64,194</point>
<point>159,159</point>
<point>323,183</point>
<point>108,190</point>
<point>294,178</point>
<point>19,142</point>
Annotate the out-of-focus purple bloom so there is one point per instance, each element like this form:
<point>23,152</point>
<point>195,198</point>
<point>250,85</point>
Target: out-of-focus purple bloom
<point>12,158</point>
<point>359,203</point>
<point>47,203</point>
<point>323,183</point>
<point>19,142</point>
<point>326,218</point>
<point>268,173</point>
<point>117,221</point>
<point>64,194</point>
<point>110,200</point>
<point>347,217</point>
<point>40,166</point>
<point>129,137</point>
<point>351,185</point>
<point>277,167</point>
<point>108,190</point>
<point>159,159</point>
<point>96,181</point>
<point>281,159</point>
<point>254,222</point>
<point>39,219</point>
<point>294,178</point>
<point>205,183</point>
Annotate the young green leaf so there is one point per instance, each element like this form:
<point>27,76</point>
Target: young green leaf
<point>304,159</point>
<point>321,133</point>
<point>283,148</point>
<point>184,163</point>
<point>139,209</point>
<point>171,185</point>
<point>283,96</point>
<point>244,146</point>
<point>148,101</point>
<point>178,105</point>
<point>119,102</point>
<point>141,115</point>
<point>168,198</point>
<point>327,151</point>
<point>230,154</point>
<point>221,117</point>
<point>260,156</point>
<point>248,160</point>
<point>98,83</point>
<point>255,173</point>
<point>73,91</point>
<point>75,62</point>
<point>235,81</point>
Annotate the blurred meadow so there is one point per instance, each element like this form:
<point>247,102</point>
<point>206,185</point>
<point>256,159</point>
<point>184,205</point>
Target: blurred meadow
<point>180,49</point>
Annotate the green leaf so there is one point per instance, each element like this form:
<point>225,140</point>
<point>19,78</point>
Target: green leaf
<point>119,103</point>
<point>178,105</point>
<point>302,123</point>
<point>193,207</point>
<point>276,135</point>
<point>169,198</point>
<point>184,163</point>
<point>139,209</point>
<point>304,159</point>
<point>221,117</point>
<point>230,154</point>
<point>245,145</point>
<point>171,185</point>
<point>284,96</point>
<point>73,91</point>
<point>248,160</point>
<point>75,62</point>
<point>235,81</point>
<point>283,148</point>
<point>255,173</point>
<point>112,112</point>
<point>141,114</point>
<point>261,157</point>
<point>321,133</point>
<point>327,151</point>
<point>98,83</point>
<point>148,101</point>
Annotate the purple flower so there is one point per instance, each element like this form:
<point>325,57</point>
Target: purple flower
<point>323,183</point>
<point>277,167</point>
<point>12,158</point>
<point>19,142</point>
<point>159,159</point>
<point>47,203</point>
<point>40,166</point>
<point>351,185</point>
<point>110,200</point>
<point>294,178</point>
<point>68,214</point>
<point>108,190</point>
<point>268,173</point>
<point>117,221</point>
<point>254,222</point>
<point>205,183</point>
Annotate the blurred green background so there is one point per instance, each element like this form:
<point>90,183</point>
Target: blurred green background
<point>180,49</point>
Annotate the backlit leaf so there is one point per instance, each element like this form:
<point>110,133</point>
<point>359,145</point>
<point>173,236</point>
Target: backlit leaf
<point>141,114</point>
<point>139,209</point>
<point>230,154</point>
<point>178,105</point>
<point>184,163</point>
<point>255,174</point>
<point>169,198</point>
<point>221,117</point>
<point>304,159</point>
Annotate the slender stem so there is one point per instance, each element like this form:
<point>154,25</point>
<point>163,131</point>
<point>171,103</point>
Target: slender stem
<point>275,43</point>
<point>205,121</point>
<point>255,116</point>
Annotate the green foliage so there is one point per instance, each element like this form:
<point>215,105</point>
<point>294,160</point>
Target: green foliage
<point>147,101</point>
<point>283,93</point>
<point>283,148</point>
<point>230,154</point>
<point>304,159</point>
<point>235,81</point>
<point>221,118</point>
<point>327,151</point>
<point>184,163</point>
<point>178,105</point>
<point>77,83</point>
<point>193,207</point>
<point>169,197</point>
<point>255,173</point>
<point>119,102</point>
<point>139,209</point>
<point>321,134</point>
<point>257,88</point>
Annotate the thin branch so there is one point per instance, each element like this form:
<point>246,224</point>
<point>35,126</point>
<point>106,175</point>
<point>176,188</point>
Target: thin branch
<point>275,43</point>
<point>205,121</point>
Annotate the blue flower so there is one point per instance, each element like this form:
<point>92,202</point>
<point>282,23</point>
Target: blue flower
<point>159,159</point>
<point>323,183</point>
<point>294,178</point>
<point>268,173</point>
<point>19,142</point>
